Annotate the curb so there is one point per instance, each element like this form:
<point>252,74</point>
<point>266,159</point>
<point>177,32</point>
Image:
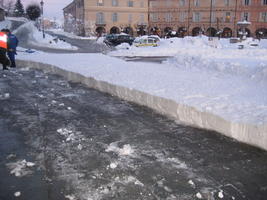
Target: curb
<point>247,133</point>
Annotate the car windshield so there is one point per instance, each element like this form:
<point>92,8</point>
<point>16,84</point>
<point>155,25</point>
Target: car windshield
<point>124,37</point>
<point>110,37</point>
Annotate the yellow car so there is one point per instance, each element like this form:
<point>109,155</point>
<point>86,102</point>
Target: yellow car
<point>145,42</point>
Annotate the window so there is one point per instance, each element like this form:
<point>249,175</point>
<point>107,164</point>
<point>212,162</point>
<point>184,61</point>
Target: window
<point>153,17</point>
<point>213,17</point>
<point>115,17</point>
<point>79,4</point>
<point>227,2</point>
<point>130,18</point>
<point>182,3</point>
<point>152,4</point>
<point>246,2</point>
<point>196,17</point>
<point>182,16</point>
<point>197,3</point>
<point>100,2</point>
<point>227,17</point>
<point>264,2</point>
<point>263,17</point>
<point>142,19</point>
<point>130,3</point>
<point>245,16</point>
<point>115,3</point>
<point>168,17</point>
<point>213,2</point>
<point>142,4</point>
<point>168,3</point>
<point>100,18</point>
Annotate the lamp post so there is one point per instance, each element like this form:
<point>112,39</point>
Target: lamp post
<point>235,29</point>
<point>42,12</point>
<point>188,19</point>
<point>211,1</point>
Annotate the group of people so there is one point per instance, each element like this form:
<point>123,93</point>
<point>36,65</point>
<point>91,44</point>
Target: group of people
<point>8,45</point>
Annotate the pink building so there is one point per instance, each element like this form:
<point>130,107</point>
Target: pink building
<point>210,17</point>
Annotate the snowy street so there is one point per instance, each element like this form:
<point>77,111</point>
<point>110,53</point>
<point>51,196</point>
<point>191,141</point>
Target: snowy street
<point>61,140</point>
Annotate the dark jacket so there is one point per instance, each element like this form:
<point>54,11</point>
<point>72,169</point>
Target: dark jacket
<point>12,42</point>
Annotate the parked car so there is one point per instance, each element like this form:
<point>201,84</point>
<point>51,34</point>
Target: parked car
<point>145,41</point>
<point>116,39</point>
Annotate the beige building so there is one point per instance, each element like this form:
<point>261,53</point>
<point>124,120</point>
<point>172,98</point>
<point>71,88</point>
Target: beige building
<point>86,17</point>
<point>210,17</point>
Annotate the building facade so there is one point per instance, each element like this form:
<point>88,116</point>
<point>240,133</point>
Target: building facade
<point>162,17</point>
<point>88,17</point>
<point>210,17</point>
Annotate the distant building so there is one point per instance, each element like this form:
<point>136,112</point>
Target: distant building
<point>163,17</point>
<point>50,24</point>
<point>85,17</point>
<point>210,17</point>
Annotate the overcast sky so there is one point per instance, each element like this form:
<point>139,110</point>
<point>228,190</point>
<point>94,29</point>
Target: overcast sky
<point>52,8</point>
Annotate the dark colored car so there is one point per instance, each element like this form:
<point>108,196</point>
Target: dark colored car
<point>116,39</point>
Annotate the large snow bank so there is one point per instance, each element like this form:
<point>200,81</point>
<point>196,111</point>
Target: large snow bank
<point>35,37</point>
<point>232,97</point>
<point>217,55</point>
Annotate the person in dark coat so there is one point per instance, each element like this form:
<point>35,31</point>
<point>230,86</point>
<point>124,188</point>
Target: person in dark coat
<point>3,50</point>
<point>12,43</point>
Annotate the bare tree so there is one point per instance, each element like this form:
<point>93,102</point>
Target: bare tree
<point>8,5</point>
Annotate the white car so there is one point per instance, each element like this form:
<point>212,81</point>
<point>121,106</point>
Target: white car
<point>145,41</point>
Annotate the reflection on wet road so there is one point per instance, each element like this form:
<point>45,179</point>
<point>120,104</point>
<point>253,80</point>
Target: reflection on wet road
<point>61,140</point>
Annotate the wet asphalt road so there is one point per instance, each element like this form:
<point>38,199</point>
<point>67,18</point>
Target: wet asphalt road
<point>88,145</point>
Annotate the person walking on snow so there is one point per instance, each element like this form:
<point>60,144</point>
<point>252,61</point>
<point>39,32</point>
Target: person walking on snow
<point>3,49</point>
<point>12,43</point>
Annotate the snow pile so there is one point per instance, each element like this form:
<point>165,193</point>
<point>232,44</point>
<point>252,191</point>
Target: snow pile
<point>69,135</point>
<point>70,35</point>
<point>4,96</point>
<point>123,46</point>
<point>6,24</point>
<point>126,150</point>
<point>216,55</point>
<point>20,168</point>
<point>35,37</point>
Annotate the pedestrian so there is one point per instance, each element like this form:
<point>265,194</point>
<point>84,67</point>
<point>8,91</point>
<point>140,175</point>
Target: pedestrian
<point>12,43</point>
<point>3,50</point>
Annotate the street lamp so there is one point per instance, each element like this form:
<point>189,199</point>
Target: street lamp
<point>188,19</point>
<point>235,30</point>
<point>211,1</point>
<point>42,12</point>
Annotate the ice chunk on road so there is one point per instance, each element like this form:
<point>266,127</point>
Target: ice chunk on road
<point>199,196</point>
<point>20,168</point>
<point>17,194</point>
<point>126,150</point>
<point>220,194</point>
<point>6,95</point>
<point>113,165</point>
<point>80,147</point>
<point>70,197</point>
<point>192,183</point>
